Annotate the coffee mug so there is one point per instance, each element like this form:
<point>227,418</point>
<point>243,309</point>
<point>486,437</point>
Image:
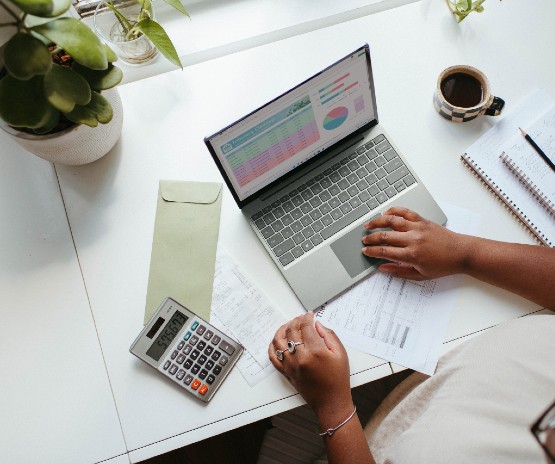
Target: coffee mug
<point>463,93</point>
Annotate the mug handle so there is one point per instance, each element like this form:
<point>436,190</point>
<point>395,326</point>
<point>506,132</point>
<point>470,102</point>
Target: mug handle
<point>496,106</point>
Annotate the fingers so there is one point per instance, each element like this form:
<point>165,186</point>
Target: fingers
<point>385,237</point>
<point>330,337</point>
<point>396,218</point>
<point>273,358</point>
<point>391,253</point>
<point>404,271</point>
<point>301,329</point>
<point>406,213</point>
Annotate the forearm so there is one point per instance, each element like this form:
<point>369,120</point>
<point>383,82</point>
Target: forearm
<point>347,444</point>
<point>526,270</point>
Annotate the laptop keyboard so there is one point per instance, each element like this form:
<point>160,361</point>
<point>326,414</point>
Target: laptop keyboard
<point>326,204</point>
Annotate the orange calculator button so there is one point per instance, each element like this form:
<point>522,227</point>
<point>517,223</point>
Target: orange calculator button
<point>202,390</point>
<point>195,384</point>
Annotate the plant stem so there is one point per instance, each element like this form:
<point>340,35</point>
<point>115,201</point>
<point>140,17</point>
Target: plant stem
<point>124,22</point>
<point>8,24</point>
<point>10,12</point>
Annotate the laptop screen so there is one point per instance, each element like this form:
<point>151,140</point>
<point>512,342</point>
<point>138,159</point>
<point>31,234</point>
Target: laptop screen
<point>275,139</point>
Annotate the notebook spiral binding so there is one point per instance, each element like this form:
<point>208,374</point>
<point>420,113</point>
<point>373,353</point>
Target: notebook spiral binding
<point>506,201</point>
<point>529,184</point>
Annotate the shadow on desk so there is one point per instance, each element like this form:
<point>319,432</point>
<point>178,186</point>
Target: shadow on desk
<point>288,438</point>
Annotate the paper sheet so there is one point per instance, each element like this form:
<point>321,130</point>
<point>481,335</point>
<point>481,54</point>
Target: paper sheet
<point>395,319</point>
<point>242,311</point>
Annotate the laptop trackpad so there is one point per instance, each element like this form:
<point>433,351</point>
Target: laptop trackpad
<point>348,250</point>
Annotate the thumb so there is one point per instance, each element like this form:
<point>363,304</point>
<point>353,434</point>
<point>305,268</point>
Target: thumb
<point>329,336</point>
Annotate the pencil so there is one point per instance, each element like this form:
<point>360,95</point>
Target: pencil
<point>539,151</point>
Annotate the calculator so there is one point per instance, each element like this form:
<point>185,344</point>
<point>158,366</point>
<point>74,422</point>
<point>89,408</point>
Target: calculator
<point>187,349</point>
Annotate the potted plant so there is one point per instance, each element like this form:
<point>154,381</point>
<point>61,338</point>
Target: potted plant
<point>130,26</point>
<point>55,81</point>
<point>462,8</point>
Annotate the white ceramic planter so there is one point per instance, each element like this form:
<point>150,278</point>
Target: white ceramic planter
<point>78,144</point>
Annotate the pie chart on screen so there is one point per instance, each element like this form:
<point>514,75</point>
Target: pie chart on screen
<point>335,118</point>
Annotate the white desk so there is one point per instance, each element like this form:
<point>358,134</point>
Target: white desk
<point>55,396</point>
<point>111,203</point>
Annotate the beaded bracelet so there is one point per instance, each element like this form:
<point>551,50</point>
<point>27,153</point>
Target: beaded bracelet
<point>330,432</point>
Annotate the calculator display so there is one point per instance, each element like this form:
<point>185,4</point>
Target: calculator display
<point>166,336</point>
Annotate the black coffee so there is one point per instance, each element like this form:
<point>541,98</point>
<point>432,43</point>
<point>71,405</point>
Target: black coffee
<point>461,90</point>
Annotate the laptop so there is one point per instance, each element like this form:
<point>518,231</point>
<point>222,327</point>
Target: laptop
<point>309,168</point>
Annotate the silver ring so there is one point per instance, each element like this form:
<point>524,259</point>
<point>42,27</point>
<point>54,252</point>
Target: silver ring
<point>279,354</point>
<point>292,346</point>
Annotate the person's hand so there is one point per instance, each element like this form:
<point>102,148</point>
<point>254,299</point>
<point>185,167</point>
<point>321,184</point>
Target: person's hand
<point>418,248</point>
<point>318,368</point>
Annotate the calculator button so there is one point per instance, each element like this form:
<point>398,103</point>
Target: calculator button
<point>201,330</point>
<point>188,379</point>
<point>188,364</point>
<point>203,374</point>
<point>217,370</point>
<point>216,355</point>
<point>194,325</point>
<point>187,336</point>
<point>216,340</point>
<point>210,379</point>
<point>166,365</point>
<point>223,360</point>
<point>174,354</point>
<point>209,365</point>
<point>203,389</point>
<point>180,374</point>
<point>195,384</point>
<point>201,346</point>
<point>195,369</point>
<point>194,340</point>
<point>202,359</point>
<point>225,346</point>
<point>173,369</point>
<point>187,349</point>
<point>180,359</point>
<point>181,345</point>
<point>208,334</point>
<point>194,355</point>
<point>208,351</point>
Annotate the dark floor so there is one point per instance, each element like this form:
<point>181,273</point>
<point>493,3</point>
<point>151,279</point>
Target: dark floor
<point>242,445</point>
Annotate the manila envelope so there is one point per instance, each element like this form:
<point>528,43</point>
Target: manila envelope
<point>184,246</point>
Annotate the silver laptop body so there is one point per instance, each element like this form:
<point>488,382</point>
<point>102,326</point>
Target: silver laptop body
<point>309,168</point>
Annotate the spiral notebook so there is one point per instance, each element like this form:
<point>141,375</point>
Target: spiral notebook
<point>540,184</point>
<point>483,158</point>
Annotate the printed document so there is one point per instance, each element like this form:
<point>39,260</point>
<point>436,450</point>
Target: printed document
<point>242,311</point>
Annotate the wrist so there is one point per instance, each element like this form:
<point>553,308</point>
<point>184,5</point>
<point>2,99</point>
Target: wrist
<point>466,252</point>
<point>330,415</point>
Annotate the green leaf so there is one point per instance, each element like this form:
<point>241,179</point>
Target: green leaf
<point>100,80</point>
<point>101,107</point>
<point>160,39</point>
<point>43,8</point>
<point>26,56</point>
<point>110,54</point>
<point>50,124</point>
<point>97,110</point>
<point>22,103</point>
<point>64,88</point>
<point>81,115</point>
<point>76,39</point>
<point>178,6</point>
